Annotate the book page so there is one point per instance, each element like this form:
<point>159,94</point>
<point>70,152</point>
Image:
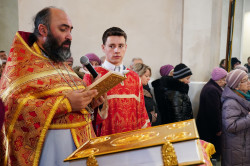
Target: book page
<point>106,82</point>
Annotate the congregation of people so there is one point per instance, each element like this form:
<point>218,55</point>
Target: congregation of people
<point>45,106</point>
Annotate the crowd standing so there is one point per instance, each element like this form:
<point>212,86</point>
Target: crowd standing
<point>53,109</point>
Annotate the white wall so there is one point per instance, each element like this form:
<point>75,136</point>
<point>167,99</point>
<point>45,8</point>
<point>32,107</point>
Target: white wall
<point>161,32</point>
<point>201,36</point>
<point>224,28</point>
<point>8,23</point>
<point>246,32</point>
<point>153,27</point>
<point>238,22</point>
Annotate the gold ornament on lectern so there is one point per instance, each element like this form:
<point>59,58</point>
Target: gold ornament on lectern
<point>100,140</point>
<point>87,152</point>
<point>92,161</point>
<point>180,135</point>
<point>178,125</point>
<point>163,136</point>
<point>133,138</point>
<point>168,154</point>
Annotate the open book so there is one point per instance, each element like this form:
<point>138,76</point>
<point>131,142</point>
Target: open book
<point>106,82</point>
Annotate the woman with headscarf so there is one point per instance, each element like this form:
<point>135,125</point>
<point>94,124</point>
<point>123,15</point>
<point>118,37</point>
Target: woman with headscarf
<point>144,73</point>
<point>236,120</point>
<point>165,71</point>
<point>208,120</point>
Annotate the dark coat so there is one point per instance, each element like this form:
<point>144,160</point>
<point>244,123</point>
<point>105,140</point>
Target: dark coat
<point>159,97</point>
<point>150,105</point>
<point>235,129</point>
<point>177,103</point>
<point>209,114</point>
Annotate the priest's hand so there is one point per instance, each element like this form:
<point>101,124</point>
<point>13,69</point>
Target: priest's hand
<point>104,111</point>
<point>97,102</point>
<point>79,99</point>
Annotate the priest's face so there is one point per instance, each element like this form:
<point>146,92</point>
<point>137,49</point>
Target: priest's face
<point>55,51</point>
<point>114,49</point>
<point>58,41</point>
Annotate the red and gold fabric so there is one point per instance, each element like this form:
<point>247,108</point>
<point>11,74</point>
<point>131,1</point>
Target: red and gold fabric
<point>208,150</point>
<point>126,105</point>
<point>33,92</point>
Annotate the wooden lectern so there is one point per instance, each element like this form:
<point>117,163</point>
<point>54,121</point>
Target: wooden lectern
<point>170,144</point>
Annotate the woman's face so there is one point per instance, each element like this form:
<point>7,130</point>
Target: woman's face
<point>171,73</point>
<point>248,84</point>
<point>185,80</point>
<point>145,77</point>
<point>222,82</point>
<point>244,84</point>
<point>224,64</point>
<point>94,63</point>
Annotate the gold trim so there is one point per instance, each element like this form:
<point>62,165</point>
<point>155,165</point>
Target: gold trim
<point>124,96</point>
<point>52,91</point>
<point>38,50</point>
<point>74,136</point>
<point>78,149</point>
<point>84,111</point>
<point>44,130</point>
<point>200,151</point>
<point>12,124</point>
<point>88,127</point>
<point>91,161</point>
<point>134,138</point>
<point>69,126</point>
<point>28,47</point>
<point>168,154</point>
<point>146,124</point>
<point>23,80</point>
<point>68,105</point>
<point>210,150</point>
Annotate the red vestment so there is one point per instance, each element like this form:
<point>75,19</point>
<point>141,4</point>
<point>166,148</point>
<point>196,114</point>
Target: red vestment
<point>33,92</point>
<point>126,105</point>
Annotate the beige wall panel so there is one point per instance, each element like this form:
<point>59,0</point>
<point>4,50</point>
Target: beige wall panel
<point>153,27</point>
<point>196,37</point>
<point>8,23</point>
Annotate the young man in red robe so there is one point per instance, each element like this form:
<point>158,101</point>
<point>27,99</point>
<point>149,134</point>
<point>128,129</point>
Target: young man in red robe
<point>126,108</point>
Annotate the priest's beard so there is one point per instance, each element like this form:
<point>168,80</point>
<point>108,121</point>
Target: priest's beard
<point>54,51</point>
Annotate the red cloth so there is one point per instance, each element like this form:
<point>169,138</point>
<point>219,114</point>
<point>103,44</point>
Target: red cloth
<point>208,150</point>
<point>126,105</point>
<point>2,113</point>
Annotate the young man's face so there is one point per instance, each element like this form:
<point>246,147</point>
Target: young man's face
<point>114,49</point>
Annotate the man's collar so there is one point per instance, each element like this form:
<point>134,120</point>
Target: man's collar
<point>111,66</point>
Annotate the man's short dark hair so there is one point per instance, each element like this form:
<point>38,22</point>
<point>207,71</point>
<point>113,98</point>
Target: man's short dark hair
<point>42,17</point>
<point>113,31</point>
<point>2,51</point>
